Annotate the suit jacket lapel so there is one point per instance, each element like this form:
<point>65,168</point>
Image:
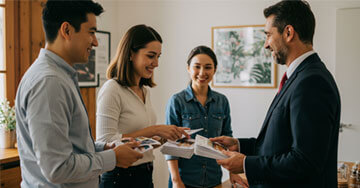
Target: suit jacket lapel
<point>308,60</point>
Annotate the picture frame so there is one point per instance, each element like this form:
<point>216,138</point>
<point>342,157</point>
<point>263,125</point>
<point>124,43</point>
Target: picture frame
<point>243,62</point>
<point>93,73</point>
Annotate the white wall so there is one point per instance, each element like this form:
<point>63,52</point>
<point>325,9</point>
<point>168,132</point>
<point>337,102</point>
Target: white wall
<point>186,24</point>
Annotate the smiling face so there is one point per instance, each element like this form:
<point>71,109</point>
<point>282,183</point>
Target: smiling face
<point>201,70</point>
<point>275,42</point>
<point>83,41</point>
<point>146,60</point>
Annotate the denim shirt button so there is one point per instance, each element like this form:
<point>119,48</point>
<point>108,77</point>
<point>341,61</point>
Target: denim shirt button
<point>205,130</point>
<point>205,117</point>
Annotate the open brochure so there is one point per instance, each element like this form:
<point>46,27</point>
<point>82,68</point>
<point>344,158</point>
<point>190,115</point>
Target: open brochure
<point>201,146</point>
<point>146,144</point>
<point>181,148</point>
<point>205,148</point>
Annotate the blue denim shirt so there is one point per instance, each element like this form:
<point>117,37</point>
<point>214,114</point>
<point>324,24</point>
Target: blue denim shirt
<point>184,110</point>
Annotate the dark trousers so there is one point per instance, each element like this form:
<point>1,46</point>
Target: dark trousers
<point>132,177</point>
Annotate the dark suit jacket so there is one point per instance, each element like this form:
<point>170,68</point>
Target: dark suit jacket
<point>298,142</point>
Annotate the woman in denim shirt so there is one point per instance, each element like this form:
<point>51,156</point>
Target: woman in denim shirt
<point>195,107</point>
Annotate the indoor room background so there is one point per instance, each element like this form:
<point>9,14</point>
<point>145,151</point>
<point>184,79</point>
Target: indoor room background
<point>184,24</point>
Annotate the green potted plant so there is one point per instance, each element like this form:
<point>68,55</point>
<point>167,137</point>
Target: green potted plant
<point>7,125</point>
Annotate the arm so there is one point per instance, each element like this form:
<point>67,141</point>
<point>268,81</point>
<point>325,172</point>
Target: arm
<point>108,112</point>
<point>171,132</point>
<point>175,175</point>
<point>49,133</point>
<point>173,117</point>
<point>313,109</point>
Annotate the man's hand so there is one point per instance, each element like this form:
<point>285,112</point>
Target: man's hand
<point>171,132</point>
<point>237,179</point>
<point>126,155</point>
<point>234,163</point>
<point>229,142</point>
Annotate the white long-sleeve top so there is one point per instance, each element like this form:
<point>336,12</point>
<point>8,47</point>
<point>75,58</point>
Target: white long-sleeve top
<point>121,111</point>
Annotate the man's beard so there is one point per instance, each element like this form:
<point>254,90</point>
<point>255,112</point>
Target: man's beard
<point>281,56</point>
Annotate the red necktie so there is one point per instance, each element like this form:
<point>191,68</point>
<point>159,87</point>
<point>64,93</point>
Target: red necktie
<point>283,80</point>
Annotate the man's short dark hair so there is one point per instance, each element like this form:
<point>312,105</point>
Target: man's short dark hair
<point>75,12</point>
<point>295,13</point>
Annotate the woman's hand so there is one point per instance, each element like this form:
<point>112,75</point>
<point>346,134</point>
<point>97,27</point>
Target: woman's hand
<point>170,132</point>
<point>178,184</point>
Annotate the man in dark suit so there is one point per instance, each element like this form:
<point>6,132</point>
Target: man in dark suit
<point>298,142</point>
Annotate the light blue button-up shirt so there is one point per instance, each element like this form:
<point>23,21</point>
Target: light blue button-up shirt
<point>54,141</point>
<point>184,110</point>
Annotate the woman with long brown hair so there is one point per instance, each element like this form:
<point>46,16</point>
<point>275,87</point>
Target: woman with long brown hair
<point>124,108</point>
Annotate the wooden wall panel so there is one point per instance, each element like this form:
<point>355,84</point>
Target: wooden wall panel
<point>89,98</point>
<point>25,36</point>
<point>12,49</point>
<point>92,110</point>
<point>37,32</point>
<point>32,39</point>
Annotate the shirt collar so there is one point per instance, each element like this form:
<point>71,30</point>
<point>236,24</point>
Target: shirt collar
<point>189,94</point>
<point>297,62</point>
<point>58,61</point>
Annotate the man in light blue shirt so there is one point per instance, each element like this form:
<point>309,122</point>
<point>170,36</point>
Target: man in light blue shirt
<point>54,139</point>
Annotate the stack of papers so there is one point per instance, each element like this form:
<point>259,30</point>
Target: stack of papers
<point>205,148</point>
<point>201,146</point>
<point>180,148</point>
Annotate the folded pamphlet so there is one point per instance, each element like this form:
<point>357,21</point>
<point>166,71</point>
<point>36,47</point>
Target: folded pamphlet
<point>201,146</point>
<point>181,148</point>
<point>205,148</point>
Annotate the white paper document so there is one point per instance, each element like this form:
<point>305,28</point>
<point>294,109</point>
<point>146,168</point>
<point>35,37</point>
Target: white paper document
<point>205,148</point>
<point>201,146</point>
<point>181,148</point>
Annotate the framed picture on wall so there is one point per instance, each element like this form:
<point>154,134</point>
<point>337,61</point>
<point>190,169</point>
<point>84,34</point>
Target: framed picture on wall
<point>243,62</point>
<point>92,73</point>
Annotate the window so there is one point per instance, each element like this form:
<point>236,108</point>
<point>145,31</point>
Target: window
<point>8,48</point>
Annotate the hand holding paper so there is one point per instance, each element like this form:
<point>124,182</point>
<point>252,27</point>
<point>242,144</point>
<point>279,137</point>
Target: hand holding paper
<point>229,142</point>
<point>234,163</point>
<point>125,155</point>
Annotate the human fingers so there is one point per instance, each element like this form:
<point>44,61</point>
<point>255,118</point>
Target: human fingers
<point>125,156</point>
<point>229,153</point>
<point>132,144</point>
<point>109,146</point>
<point>182,130</point>
<point>222,161</point>
<point>176,132</point>
<point>220,139</point>
<point>128,139</point>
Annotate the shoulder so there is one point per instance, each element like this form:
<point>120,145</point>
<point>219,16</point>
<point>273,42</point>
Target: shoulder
<point>219,96</point>
<point>179,95</point>
<point>177,98</point>
<point>42,74</point>
<point>112,86</point>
